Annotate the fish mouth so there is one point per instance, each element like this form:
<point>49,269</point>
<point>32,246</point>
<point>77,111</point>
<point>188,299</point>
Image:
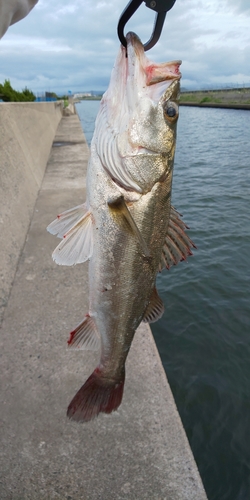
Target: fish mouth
<point>133,39</point>
<point>155,72</point>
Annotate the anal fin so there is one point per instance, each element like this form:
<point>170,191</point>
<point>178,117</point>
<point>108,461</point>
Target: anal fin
<point>155,308</point>
<point>85,336</point>
<point>123,216</point>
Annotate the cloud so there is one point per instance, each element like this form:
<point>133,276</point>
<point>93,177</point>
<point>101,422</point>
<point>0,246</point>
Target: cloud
<point>240,6</point>
<point>64,45</point>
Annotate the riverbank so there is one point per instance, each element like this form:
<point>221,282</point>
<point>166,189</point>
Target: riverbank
<point>224,98</point>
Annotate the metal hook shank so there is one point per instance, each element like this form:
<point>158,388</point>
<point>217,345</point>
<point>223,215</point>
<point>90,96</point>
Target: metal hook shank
<point>159,21</point>
<point>159,6</point>
<point>129,10</point>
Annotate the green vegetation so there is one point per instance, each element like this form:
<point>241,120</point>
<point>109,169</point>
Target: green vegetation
<point>91,98</point>
<point>220,96</point>
<point>188,98</point>
<point>52,94</point>
<point>206,99</point>
<point>62,98</point>
<point>8,94</point>
<point>209,99</point>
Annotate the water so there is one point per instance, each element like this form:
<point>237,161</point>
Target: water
<point>87,111</point>
<point>204,335</point>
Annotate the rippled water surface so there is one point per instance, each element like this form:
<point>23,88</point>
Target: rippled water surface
<point>204,335</point>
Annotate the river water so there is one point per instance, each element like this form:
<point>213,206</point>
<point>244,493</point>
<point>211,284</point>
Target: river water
<point>204,335</point>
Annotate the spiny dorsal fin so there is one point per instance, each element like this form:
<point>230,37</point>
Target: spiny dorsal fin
<point>123,216</point>
<point>85,336</point>
<point>155,308</point>
<point>177,245</point>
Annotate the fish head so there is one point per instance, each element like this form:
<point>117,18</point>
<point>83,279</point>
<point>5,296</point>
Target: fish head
<point>153,96</point>
<point>136,127</point>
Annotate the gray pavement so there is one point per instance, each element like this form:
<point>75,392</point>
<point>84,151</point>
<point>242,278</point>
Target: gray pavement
<point>138,452</point>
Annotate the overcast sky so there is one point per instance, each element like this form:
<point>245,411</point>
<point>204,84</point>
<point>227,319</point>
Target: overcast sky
<point>71,45</point>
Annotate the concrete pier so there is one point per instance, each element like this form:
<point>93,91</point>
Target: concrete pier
<point>139,452</point>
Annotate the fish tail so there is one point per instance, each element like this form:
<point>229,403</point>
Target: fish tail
<point>98,394</point>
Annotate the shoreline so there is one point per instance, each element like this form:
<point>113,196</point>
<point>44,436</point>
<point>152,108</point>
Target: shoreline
<point>215,105</point>
<point>199,104</point>
<point>233,98</point>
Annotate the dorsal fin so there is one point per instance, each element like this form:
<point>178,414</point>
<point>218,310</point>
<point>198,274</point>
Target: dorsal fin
<point>177,245</point>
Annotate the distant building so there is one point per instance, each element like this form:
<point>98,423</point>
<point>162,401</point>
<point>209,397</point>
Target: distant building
<point>46,96</point>
<point>82,94</point>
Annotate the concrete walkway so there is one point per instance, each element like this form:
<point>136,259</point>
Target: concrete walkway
<point>139,452</point>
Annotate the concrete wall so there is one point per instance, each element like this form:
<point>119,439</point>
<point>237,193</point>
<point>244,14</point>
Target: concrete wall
<point>27,131</point>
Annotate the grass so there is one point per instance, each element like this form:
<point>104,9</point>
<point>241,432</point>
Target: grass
<point>231,96</point>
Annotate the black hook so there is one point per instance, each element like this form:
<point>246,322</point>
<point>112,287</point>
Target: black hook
<point>159,6</point>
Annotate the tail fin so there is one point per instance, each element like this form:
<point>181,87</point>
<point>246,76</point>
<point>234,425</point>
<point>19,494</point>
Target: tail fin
<point>98,394</point>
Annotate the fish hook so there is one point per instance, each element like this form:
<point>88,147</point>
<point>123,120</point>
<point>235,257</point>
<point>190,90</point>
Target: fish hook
<point>161,7</point>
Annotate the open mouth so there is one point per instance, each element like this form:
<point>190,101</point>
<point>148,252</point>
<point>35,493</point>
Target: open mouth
<point>156,73</point>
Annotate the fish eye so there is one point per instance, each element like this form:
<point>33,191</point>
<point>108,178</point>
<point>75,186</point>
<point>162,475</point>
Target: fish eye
<point>170,110</point>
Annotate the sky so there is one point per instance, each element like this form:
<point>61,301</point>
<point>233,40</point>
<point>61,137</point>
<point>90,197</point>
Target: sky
<point>67,45</point>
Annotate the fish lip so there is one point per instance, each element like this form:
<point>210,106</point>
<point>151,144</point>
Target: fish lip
<point>134,39</point>
<point>171,71</point>
<point>136,43</point>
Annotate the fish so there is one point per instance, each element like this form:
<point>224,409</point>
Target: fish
<point>127,228</point>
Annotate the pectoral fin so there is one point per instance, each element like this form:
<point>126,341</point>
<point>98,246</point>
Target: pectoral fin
<point>77,243</point>
<point>155,308</point>
<point>67,220</point>
<point>123,217</point>
<point>177,246</point>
